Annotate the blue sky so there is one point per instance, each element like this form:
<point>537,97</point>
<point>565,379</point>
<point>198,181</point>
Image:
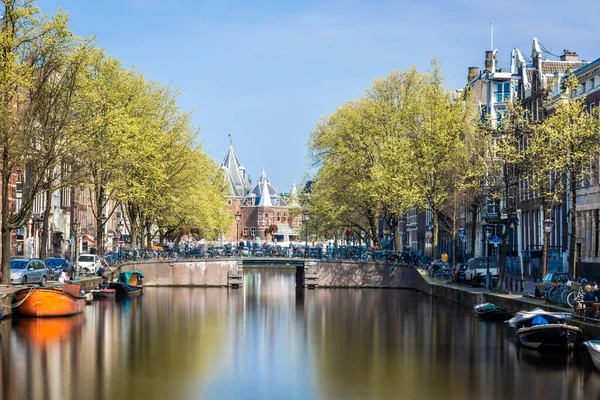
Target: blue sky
<point>267,71</point>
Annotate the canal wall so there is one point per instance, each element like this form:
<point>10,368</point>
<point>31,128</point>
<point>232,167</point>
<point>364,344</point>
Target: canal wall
<point>185,273</point>
<point>349,274</point>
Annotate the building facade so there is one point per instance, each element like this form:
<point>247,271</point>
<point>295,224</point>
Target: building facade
<point>262,214</point>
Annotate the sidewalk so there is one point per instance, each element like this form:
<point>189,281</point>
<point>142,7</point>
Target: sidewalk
<point>528,282</point>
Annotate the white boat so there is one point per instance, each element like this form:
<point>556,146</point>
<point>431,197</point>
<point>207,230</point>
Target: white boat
<point>539,329</point>
<point>593,347</point>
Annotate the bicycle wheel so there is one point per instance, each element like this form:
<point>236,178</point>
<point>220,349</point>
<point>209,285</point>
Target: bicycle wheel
<point>438,276</point>
<point>571,297</point>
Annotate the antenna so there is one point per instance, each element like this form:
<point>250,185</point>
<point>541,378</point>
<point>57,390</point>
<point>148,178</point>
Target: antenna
<point>230,139</point>
<point>492,36</point>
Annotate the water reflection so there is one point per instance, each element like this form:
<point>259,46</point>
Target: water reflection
<point>269,340</point>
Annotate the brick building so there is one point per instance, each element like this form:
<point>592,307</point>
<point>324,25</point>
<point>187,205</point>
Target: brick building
<point>258,207</point>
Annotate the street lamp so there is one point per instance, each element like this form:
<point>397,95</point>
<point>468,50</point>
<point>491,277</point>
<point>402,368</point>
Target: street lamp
<point>488,234</point>
<point>238,217</point>
<point>548,224</point>
<point>305,217</point>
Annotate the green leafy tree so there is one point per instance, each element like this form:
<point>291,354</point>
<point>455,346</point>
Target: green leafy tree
<point>29,43</point>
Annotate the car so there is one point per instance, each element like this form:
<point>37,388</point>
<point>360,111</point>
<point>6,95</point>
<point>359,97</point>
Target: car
<point>56,265</point>
<point>553,277</point>
<point>24,271</point>
<point>88,263</point>
<point>458,275</point>
<point>476,271</point>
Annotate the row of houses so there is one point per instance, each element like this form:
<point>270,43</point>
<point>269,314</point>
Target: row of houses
<point>528,79</point>
<point>71,222</point>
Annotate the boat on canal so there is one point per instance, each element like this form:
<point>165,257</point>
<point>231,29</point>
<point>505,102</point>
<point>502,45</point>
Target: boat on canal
<point>41,302</point>
<point>128,283</point>
<point>491,311</point>
<point>539,329</point>
<point>102,294</point>
<point>593,347</point>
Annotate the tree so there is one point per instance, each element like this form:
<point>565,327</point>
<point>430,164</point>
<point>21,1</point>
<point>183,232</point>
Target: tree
<point>572,140</point>
<point>505,163</point>
<point>30,42</point>
<point>435,131</point>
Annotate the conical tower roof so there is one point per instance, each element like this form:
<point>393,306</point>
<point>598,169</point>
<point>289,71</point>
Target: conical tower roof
<point>235,174</point>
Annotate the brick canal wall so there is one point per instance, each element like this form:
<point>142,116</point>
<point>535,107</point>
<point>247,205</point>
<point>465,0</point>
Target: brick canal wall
<point>349,274</point>
<point>184,273</point>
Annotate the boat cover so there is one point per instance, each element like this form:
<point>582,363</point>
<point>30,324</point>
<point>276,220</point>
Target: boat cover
<point>487,307</point>
<point>522,316</point>
<point>124,277</point>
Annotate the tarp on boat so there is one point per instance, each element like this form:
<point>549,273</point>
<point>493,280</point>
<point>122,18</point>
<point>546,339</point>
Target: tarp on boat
<point>488,307</point>
<point>523,316</point>
<point>124,277</point>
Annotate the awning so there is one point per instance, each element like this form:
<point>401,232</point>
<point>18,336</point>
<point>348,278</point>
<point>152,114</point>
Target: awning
<point>89,240</point>
<point>285,230</point>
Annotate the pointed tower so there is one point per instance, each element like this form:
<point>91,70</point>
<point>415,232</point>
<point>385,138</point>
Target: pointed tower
<point>235,174</point>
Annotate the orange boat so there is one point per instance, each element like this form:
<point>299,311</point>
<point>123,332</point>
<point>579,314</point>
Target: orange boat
<point>40,302</point>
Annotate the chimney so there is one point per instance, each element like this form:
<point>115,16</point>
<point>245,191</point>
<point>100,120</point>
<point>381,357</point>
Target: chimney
<point>569,56</point>
<point>473,74</point>
<point>489,62</point>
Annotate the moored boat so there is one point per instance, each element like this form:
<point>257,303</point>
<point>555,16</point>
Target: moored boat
<point>539,329</point>
<point>100,294</point>
<point>491,311</point>
<point>39,302</point>
<point>128,283</point>
<point>593,347</point>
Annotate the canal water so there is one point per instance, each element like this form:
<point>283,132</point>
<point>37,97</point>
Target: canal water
<point>269,341</point>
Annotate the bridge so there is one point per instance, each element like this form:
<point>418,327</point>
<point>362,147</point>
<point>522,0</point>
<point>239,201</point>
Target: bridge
<point>280,262</point>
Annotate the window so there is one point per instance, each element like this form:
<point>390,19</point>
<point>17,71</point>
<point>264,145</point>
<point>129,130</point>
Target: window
<point>246,231</point>
<point>229,202</point>
<point>503,92</point>
<point>279,217</point>
<point>592,108</point>
<point>253,231</point>
<point>583,87</point>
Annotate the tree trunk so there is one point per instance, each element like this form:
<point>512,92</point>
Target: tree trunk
<point>374,232</point>
<point>5,226</point>
<point>148,232</point>
<point>473,230</point>
<point>46,226</point>
<point>133,218</point>
<point>546,248</point>
<point>436,232</point>
<point>99,221</point>
<point>573,222</point>
<point>397,241</point>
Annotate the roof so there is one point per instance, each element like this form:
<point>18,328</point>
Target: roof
<point>270,198</point>
<point>562,67</point>
<point>586,67</point>
<point>235,174</point>
<point>285,230</point>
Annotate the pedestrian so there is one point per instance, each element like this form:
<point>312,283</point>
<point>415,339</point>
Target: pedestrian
<point>62,278</point>
<point>100,271</point>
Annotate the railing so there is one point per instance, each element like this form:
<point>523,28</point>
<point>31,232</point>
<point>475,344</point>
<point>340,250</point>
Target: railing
<point>387,256</point>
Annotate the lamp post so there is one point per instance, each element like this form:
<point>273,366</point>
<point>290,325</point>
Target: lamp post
<point>430,227</point>
<point>305,217</point>
<point>462,235</point>
<point>120,227</point>
<point>238,217</point>
<point>488,235</point>
<point>548,224</point>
